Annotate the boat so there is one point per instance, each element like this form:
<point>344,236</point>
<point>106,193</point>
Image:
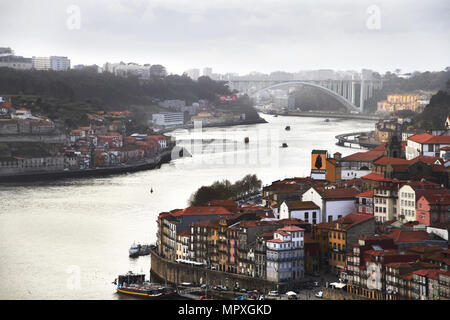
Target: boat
<point>288,128</point>
<point>275,115</point>
<point>139,250</point>
<point>136,285</point>
<point>246,140</point>
<point>284,145</point>
<point>134,250</point>
<point>327,120</point>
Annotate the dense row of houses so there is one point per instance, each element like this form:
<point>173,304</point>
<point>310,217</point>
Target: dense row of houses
<point>107,144</point>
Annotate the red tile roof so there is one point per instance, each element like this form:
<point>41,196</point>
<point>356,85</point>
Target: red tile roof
<point>367,194</point>
<point>295,205</point>
<point>353,219</point>
<point>399,235</point>
<point>291,229</point>
<point>198,210</point>
<point>374,176</point>
<point>371,155</point>
<point>340,193</point>
<point>420,138</point>
<point>389,160</point>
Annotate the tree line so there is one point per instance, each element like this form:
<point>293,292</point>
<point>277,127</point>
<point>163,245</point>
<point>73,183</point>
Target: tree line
<point>225,190</point>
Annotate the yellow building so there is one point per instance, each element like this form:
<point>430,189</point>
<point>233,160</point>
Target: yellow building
<point>398,102</point>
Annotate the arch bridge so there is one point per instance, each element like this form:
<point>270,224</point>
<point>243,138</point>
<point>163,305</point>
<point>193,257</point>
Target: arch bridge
<point>345,91</point>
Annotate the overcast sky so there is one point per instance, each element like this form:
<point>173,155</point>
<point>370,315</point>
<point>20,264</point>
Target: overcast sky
<point>234,35</point>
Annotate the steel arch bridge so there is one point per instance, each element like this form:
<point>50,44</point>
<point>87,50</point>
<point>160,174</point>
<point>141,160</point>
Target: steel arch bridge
<point>343,90</point>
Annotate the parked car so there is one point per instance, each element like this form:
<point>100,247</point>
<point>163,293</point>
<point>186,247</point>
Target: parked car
<point>273,293</point>
<point>319,294</point>
<point>186,284</point>
<point>204,286</point>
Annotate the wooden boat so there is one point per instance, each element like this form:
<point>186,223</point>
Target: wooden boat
<point>284,145</point>
<point>246,140</point>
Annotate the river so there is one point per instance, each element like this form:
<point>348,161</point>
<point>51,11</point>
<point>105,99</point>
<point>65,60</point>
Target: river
<point>69,239</point>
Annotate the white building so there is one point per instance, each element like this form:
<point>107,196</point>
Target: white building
<point>304,210</point>
<point>425,144</point>
<point>59,63</point>
<point>285,255</point>
<point>41,63</point>
<point>333,203</point>
<point>16,62</point>
<point>51,63</point>
<point>168,118</point>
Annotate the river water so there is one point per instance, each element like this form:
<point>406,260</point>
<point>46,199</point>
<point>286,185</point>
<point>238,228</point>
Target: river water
<point>69,239</point>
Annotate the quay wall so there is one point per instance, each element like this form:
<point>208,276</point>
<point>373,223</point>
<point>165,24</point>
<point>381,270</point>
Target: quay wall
<point>82,173</point>
<point>177,273</point>
<point>337,294</point>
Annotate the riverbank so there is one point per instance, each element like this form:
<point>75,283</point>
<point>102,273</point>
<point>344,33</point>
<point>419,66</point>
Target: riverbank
<point>326,115</point>
<point>363,140</point>
<point>214,125</point>
<point>146,164</point>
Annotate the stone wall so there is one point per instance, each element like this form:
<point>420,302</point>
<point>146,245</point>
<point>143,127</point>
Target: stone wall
<point>338,294</point>
<point>177,273</point>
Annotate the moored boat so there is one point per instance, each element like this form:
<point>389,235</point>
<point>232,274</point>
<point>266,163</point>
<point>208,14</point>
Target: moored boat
<point>246,140</point>
<point>284,145</point>
<point>288,128</point>
<point>134,250</point>
<point>136,285</point>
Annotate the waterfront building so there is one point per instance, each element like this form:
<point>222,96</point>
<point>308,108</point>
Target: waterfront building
<point>178,220</point>
<point>232,249</point>
<point>168,118</point>
<point>261,253</point>
<point>183,251</point>
<point>398,102</point>
<point>312,254</point>
<point>285,256</point>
